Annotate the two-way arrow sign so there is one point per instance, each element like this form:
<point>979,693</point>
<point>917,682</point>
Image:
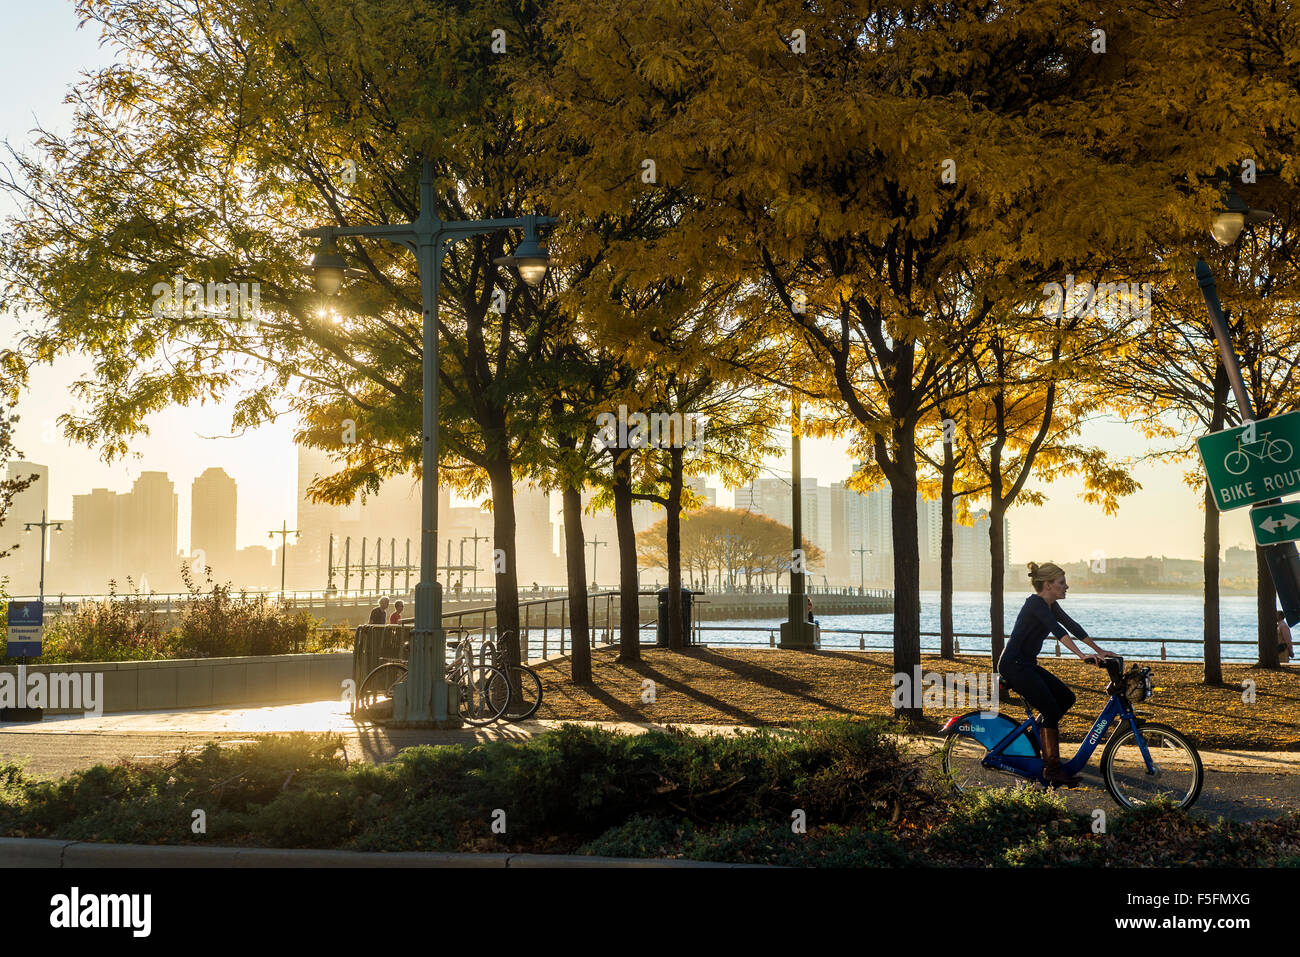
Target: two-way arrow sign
<point>1276,523</point>
<point>1288,522</point>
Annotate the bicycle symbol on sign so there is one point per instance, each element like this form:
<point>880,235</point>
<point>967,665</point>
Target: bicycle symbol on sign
<point>1277,451</point>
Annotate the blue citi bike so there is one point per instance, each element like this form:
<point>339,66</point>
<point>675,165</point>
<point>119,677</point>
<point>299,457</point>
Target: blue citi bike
<point>1142,761</point>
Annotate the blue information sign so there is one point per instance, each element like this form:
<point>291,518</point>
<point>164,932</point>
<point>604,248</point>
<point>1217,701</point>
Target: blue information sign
<point>26,619</point>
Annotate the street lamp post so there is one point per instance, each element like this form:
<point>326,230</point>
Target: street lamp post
<point>594,543</point>
<point>329,588</point>
<point>284,531</point>
<point>862,568</point>
<point>1283,559</point>
<point>476,538</point>
<point>796,630</point>
<point>424,698</point>
<point>43,525</point>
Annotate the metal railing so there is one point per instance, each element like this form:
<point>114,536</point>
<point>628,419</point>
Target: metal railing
<point>773,631</point>
<point>536,615</point>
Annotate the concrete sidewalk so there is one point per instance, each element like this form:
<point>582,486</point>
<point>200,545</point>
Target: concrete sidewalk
<point>227,725</point>
<point>35,852</point>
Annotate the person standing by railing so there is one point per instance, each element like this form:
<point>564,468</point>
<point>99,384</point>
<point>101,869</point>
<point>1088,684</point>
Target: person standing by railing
<point>1285,650</point>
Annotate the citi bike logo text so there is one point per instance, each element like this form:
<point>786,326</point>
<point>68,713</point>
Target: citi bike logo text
<point>951,691</point>
<point>655,430</point>
<point>1109,299</point>
<point>215,300</point>
<point>57,690</point>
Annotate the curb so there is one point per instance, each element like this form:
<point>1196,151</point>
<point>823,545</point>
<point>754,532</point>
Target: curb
<point>46,853</point>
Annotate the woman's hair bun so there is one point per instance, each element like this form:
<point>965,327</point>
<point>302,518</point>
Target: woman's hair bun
<point>1033,569</point>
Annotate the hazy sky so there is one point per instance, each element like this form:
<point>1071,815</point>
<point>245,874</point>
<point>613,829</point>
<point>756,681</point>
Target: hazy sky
<point>45,53</point>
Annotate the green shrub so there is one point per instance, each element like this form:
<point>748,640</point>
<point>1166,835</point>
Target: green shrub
<point>1046,850</point>
<point>638,836</point>
<point>129,627</point>
<point>984,825</point>
<point>218,623</point>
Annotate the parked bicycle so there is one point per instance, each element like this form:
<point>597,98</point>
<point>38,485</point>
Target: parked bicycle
<point>526,684</point>
<point>482,691</point>
<point>1143,759</point>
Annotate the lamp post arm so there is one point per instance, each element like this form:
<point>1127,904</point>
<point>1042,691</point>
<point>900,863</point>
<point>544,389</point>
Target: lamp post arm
<point>1206,280</point>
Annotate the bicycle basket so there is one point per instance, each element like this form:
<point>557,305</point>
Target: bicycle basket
<point>1137,684</point>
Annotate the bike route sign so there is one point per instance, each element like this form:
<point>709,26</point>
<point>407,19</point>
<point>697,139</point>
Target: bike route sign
<point>1254,462</point>
<point>25,622</point>
<point>1276,523</point>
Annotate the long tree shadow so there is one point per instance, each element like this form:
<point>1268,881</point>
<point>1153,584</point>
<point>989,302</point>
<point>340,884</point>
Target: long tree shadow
<point>775,681</point>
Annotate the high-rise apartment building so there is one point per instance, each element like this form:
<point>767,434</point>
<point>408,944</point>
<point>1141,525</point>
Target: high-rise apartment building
<point>148,532</point>
<point>23,564</point>
<point>96,532</point>
<point>213,498</point>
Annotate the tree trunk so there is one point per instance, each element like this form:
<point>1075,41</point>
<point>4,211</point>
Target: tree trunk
<point>503,539</point>
<point>945,556</point>
<point>576,561</point>
<point>629,603</point>
<point>676,634</point>
<point>1213,664</point>
<point>907,564</point>
<point>1266,599</point>
<point>997,577</point>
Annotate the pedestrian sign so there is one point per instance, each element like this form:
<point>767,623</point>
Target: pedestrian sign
<point>1276,523</point>
<point>1254,462</point>
<point>25,624</point>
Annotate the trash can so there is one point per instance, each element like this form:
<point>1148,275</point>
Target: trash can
<point>661,628</point>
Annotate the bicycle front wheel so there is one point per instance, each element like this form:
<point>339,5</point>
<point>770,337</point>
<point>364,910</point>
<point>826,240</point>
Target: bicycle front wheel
<point>375,696</point>
<point>961,760</point>
<point>1177,773</point>
<point>483,695</point>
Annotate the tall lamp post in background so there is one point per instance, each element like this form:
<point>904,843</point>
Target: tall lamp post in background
<point>594,543</point>
<point>284,531</point>
<point>1283,559</point>
<point>476,538</point>
<point>862,568</point>
<point>796,630</point>
<point>424,697</point>
<point>43,525</point>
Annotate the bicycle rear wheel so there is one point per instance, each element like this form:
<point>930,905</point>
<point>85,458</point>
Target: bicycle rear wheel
<point>375,696</point>
<point>526,696</point>
<point>1178,773</point>
<point>961,763</point>
<point>483,695</point>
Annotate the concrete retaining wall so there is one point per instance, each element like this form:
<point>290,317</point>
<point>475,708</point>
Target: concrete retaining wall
<point>209,682</point>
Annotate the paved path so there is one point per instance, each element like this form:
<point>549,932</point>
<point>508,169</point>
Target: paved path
<point>1243,785</point>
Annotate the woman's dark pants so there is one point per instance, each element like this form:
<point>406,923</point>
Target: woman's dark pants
<point>1040,688</point>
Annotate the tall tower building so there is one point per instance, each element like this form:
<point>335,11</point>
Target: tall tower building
<point>148,532</point>
<point>23,565</point>
<point>212,522</point>
<point>96,540</point>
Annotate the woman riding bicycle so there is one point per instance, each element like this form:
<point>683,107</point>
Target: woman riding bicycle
<point>1040,615</point>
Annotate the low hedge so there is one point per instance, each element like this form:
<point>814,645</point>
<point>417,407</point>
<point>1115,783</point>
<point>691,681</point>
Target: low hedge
<point>835,793</point>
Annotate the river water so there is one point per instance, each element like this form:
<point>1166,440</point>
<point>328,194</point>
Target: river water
<point>1106,617</point>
